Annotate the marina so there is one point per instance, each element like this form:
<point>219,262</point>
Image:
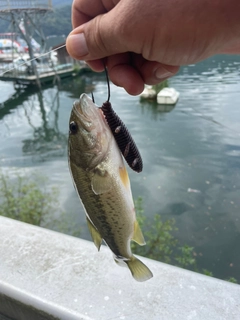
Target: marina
<point>23,59</point>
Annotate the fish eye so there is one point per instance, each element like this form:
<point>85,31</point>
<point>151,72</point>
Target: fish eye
<point>73,127</point>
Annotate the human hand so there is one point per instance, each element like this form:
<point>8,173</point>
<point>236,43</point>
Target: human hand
<point>145,42</point>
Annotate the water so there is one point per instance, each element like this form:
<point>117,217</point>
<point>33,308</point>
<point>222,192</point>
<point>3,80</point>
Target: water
<point>195,145</point>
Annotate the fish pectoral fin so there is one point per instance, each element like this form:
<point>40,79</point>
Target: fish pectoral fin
<point>97,239</point>
<point>101,181</point>
<point>137,235</point>
<point>139,270</point>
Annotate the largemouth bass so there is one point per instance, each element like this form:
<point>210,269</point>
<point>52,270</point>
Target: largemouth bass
<point>102,183</point>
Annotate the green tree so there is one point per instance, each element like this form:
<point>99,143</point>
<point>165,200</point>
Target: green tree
<point>29,199</point>
<point>24,200</point>
<point>58,22</point>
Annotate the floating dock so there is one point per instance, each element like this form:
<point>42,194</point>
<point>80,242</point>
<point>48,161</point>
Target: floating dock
<point>33,80</point>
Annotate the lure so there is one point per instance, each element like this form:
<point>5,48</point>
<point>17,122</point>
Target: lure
<point>121,134</point>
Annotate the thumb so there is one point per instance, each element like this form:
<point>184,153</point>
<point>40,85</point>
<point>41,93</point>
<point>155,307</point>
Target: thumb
<point>96,39</point>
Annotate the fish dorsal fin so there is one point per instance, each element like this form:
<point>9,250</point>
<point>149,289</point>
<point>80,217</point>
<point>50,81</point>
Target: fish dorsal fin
<point>101,181</point>
<point>137,234</point>
<point>97,239</point>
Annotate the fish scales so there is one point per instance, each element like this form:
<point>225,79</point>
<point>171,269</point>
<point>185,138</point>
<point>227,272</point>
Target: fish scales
<point>102,183</point>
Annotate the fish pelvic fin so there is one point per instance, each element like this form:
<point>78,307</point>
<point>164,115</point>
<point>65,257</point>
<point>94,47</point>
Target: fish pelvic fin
<point>139,270</point>
<point>97,239</point>
<point>137,234</point>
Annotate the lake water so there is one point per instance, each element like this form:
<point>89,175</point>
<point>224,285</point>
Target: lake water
<point>195,145</point>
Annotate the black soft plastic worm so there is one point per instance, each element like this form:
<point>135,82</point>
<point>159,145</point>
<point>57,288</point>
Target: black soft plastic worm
<point>121,134</point>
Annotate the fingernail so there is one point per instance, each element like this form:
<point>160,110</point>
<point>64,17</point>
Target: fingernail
<point>162,73</point>
<point>78,45</point>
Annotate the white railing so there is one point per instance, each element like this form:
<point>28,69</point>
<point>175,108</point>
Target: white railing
<point>48,275</point>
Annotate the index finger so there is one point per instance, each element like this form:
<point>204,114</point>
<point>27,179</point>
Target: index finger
<point>85,10</point>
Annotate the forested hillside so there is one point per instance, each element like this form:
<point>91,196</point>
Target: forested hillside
<point>57,22</point>
<point>61,2</point>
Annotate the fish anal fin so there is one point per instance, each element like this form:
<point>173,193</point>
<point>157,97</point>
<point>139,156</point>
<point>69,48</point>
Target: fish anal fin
<point>101,181</point>
<point>137,234</point>
<point>139,270</point>
<point>97,239</point>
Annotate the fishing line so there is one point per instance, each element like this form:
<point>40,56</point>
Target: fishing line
<point>92,97</point>
<point>108,83</point>
<point>24,63</point>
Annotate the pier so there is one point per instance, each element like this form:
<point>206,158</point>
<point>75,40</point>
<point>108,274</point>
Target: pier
<point>49,76</point>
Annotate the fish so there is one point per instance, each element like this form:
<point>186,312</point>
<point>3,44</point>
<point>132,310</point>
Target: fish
<point>102,183</point>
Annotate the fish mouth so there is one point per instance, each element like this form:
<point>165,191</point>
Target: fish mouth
<point>83,110</point>
<point>82,106</point>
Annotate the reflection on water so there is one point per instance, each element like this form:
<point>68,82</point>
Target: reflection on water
<point>194,145</point>
<point>38,115</point>
<point>156,110</point>
<point>47,139</point>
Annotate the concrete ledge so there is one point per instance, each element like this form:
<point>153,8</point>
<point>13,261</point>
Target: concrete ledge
<point>47,275</point>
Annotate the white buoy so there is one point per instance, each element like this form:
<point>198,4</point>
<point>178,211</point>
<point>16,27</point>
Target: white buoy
<point>167,96</point>
<point>148,93</point>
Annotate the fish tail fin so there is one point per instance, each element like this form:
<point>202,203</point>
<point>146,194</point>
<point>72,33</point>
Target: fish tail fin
<point>139,270</point>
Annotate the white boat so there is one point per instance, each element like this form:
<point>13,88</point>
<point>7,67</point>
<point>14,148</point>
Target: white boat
<point>148,93</point>
<point>168,96</point>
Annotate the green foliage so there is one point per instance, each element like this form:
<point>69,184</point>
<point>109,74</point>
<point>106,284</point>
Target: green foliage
<point>158,235</point>
<point>160,241</point>
<point>161,245</point>
<point>158,87</point>
<point>28,199</point>
<point>207,272</point>
<point>23,200</point>
<point>58,22</point>
<point>232,279</point>
<point>186,258</point>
